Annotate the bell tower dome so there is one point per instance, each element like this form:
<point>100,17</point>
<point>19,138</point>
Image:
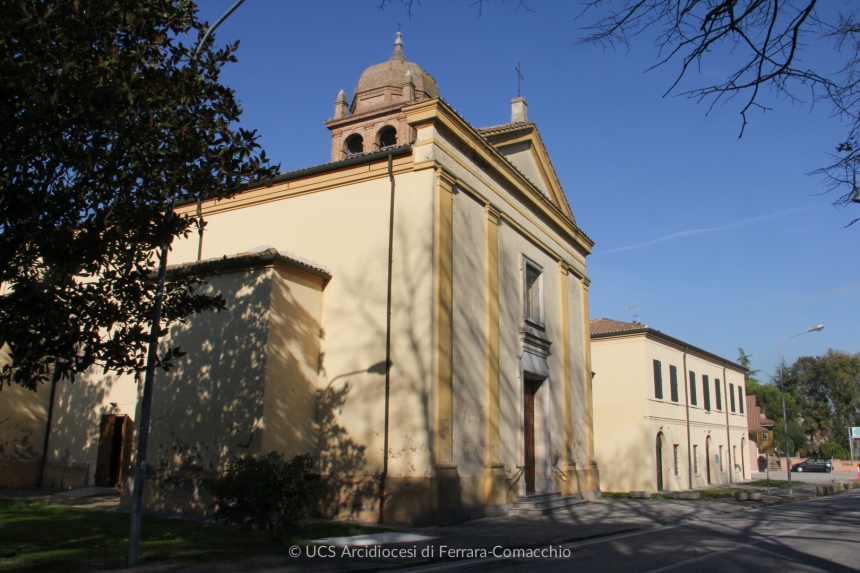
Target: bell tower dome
<point>375,119</point>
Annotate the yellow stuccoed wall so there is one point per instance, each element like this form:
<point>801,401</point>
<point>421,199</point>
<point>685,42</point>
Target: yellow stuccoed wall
<point>297,365</point>
<point>628,418</point>
<point>23,414</point>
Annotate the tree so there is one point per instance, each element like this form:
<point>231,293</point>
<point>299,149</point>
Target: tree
<point>829,390</point>
<point>745,360</point>
<point>105,118</point>
<point>761,44</point>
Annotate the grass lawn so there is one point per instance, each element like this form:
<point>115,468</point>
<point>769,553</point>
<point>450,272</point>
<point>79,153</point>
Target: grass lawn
<point>59,538</point>
<point>778,483</point>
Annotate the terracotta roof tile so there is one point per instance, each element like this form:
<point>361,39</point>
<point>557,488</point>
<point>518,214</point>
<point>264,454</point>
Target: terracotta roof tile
<point>216,264</point>
<point>607,325</point>
<point>503,127</point>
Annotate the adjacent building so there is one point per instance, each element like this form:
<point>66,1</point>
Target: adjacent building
<point>413,313</point>
<point>668,416</point>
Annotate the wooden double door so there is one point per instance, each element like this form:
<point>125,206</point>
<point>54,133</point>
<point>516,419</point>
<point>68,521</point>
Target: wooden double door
<point>115,445</point>
<point>529,434</point>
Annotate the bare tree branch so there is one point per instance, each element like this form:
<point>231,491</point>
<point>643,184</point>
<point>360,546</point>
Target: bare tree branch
<point>763,39</point>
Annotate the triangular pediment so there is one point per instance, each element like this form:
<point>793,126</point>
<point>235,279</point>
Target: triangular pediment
<point>520,143</point>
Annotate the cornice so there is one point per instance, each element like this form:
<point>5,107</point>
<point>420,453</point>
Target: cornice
<point>680,345</point>
<point>437,112</point>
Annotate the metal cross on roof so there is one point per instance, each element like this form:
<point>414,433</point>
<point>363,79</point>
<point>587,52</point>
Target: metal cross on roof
<point>519,78</point>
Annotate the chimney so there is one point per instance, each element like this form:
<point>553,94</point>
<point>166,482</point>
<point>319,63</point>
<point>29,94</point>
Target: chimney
<point>519,110</point>
<point>340,106</point>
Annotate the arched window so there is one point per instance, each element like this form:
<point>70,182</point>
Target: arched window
<point>354,144</point>
<point>387,137</point>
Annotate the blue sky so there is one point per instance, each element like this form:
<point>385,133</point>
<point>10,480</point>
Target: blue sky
<point>722,242</point>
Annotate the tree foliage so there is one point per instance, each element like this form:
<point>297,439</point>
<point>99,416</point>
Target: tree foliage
<point>761,46</point>
<point>829,390</point>
<point>745,360</point>
<point>822,400</point>
<point>105,116</point>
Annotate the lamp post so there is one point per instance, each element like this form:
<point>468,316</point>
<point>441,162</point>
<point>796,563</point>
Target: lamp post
<point>152,356</point>
<point>782,389</point>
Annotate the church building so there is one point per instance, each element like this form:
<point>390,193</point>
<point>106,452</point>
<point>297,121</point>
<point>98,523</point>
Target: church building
<point>413,313</point>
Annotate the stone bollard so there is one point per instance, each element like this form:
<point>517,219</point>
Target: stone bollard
<point>686,495</point>
<point>742,496</point>
<point>640,495</point>
<point>821,490</point>
<point>830,490</point>
<point>838,488</point>
<point>755,496</point>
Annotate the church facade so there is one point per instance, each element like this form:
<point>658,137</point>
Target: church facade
<point>414,314</point>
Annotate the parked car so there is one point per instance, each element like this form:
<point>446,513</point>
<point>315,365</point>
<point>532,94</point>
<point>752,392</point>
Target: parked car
<point>813,465</point>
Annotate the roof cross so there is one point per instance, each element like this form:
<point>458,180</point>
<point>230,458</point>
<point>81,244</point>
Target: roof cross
<point>519,78</point>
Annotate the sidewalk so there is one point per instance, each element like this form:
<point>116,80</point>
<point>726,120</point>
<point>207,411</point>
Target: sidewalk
<point>600,518</point>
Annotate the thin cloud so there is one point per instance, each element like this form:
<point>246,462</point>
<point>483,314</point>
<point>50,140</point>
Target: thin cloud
<point>694,232</point>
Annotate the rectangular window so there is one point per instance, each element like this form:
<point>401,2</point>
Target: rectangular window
<point>533,302</point>
<point>693,388</point>
<point>673,382</point>
<point>696,460</point>
<point>718,394</point>
<point>721,458</point>
<point>732,395</point>
<point>658,380</point>
<point>741,398</point>
<point>706,391</point>
<point>675,451</point>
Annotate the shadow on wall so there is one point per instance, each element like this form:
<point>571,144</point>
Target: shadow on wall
<point>79,409</point>
<point>352,404</point>
<point>209,408</point>
<point>23,414</point>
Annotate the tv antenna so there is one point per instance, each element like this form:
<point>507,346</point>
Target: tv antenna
<point>635,307</point>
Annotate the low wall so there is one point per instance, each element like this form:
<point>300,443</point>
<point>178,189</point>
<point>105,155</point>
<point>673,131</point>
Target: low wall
<point>840,466</point>
<point>66,475</point>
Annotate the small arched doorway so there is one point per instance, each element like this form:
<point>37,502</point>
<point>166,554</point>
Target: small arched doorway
<point>743,460</point>
<point>708,458</point>
<point>659,451</point>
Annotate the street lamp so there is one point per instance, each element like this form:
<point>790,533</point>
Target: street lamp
<point>152,355</point>
<point>782,389</point>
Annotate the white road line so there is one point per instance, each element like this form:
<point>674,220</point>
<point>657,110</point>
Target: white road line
<point>711,519</point>
<point>730,549</point>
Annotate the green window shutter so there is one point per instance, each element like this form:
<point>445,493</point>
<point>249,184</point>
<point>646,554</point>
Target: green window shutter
<point>741,398</point>
<point>693,388</point>
<point>718,394</point>
<point>673,382</point>
<point>732,395</point>
<point>706,391</point>
<point>658,380</point>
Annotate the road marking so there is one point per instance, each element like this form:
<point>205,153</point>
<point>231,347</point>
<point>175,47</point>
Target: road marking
<point>686,522</point>
<point>730,549</point>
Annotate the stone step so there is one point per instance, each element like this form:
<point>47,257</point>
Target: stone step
<point>544,507</point>
<point>538,497</point>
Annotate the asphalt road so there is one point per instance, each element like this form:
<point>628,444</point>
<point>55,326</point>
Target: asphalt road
<point>821,534</point>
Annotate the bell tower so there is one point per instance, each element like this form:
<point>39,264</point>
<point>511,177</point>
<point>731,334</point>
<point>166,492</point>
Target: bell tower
<point>375,119</point>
